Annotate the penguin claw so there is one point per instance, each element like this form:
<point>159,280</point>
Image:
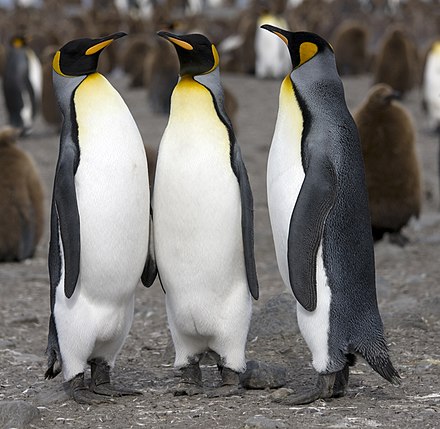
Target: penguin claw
<point>87,397</point>
<point>106,389</point>
<point>224,391</point>
<point>301,398</point>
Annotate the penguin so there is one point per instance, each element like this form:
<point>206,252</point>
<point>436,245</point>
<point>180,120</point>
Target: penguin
<point>396,63</point>
<point>49,106</point>
<point>318,207</point>
<point>350,46</point>
<point>22,200</point>
<point>431,86</point>
<point>99,230</point>
<point>392,168</point>
<point>272,61</point>
<point>22,84</point>
<point>203,223</point>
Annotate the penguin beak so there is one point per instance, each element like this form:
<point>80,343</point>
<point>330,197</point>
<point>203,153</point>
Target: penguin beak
<point>176,39</point>
<point>278,31</point>
<point>103,42</point>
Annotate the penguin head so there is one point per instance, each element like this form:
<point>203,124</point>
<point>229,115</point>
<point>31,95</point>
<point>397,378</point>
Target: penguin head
<point>197,55</point>
<point>302,45</point>
<point>381,95</point>
<point>18,41</point>
<point>80,56</point>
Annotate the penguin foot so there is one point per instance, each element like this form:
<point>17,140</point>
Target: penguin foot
<point>100,383</point>
<point>229,386</point>
<point>81,393</point>
<point>190,381</point>
<point>328,386</point>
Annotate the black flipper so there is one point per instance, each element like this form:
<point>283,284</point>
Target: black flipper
<point>314,202</point>
<point>65,215</point>
<point>150,269</point>
<point>247,219</point>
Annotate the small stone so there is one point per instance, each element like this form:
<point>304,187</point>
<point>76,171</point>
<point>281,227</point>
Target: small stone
<point>281,393</point>
<point>261,422</point>
<point>17,414</point>
<point>260,375</point>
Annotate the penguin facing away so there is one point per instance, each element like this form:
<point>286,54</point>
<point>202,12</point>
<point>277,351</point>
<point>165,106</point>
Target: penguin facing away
<point>318,210</point>
<point>392,168</point>
<point>21,200</point>
<point>99,224</point>
<point>203,223</point>
<point>22,84</point>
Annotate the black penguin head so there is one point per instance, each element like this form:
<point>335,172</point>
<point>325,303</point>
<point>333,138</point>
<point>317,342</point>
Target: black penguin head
<point>302,45</point>
<point>80,56</point>
<point>197,55</point>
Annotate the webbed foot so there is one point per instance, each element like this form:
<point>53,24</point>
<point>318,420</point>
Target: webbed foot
<point>328,386</point>
<point>81,393</point>
<point>190,381</point>
<point>229,386</point>
<point>100,383</point>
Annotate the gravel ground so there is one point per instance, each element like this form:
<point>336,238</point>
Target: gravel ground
<point>407,278</point>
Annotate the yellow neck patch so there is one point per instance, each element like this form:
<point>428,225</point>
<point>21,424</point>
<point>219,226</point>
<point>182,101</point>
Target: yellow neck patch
<point>307,50</point>
<point>436,47</point>
<point>94,49</point>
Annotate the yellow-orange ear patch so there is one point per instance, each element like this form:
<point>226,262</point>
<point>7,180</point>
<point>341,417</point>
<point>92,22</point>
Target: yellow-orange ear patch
<point>307,50</point>
<point>181,43</point>
<point>94,49</point>
<point>216,59</point>
<point>56,63</point>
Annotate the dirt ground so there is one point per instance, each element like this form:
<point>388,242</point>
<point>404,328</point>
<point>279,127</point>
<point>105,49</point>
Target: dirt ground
<point>408,293</point>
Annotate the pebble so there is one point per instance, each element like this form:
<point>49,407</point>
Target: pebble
<point>261,422</point>
<point>17,414</point>
<point>260,375</point>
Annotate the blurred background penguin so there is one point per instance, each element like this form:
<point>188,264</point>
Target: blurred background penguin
<point>21,200</point>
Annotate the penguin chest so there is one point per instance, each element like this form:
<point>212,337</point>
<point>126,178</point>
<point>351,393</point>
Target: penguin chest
<point>111,185</point>
<point>197,208</point>
<point>285,173</point>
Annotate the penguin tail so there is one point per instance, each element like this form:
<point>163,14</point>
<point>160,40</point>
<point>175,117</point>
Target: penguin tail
<point>377,356</point>
<point>53,352</point>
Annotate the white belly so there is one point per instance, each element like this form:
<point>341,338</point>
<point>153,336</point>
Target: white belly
<point>197,216</point>
<point>285,176</point>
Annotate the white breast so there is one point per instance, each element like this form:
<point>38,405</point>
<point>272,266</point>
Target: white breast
<point>285,173</point>
<point>197,206</point>
<point>112,191</point>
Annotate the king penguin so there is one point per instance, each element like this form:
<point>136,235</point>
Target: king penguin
<point>318,209</point>
<point>22,84</point>
<point>203,223</point>
<point>99,223</point>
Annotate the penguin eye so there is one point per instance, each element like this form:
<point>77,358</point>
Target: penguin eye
<point>307,50</point>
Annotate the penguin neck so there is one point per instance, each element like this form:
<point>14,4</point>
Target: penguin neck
<point>64,88</point>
